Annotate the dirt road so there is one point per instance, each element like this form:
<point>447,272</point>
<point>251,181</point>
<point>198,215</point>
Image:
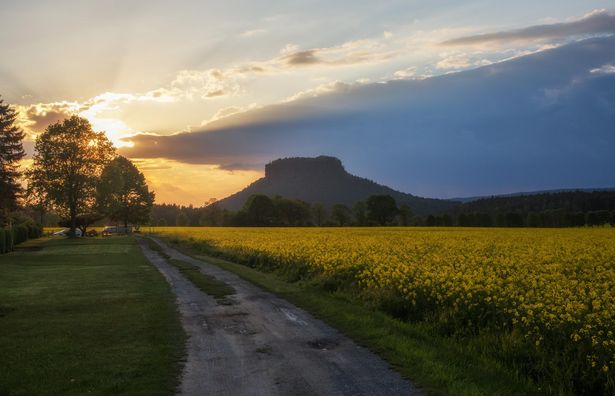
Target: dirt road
<point>259,344</point>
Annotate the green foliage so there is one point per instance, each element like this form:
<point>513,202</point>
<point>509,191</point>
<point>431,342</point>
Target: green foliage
<point>9,239</point>
<point>381,209</point>
<point>122,193</point>
<point>68,161</point>
<point>260,210</point>
<point>341,214</point>
<point>20,233</point>
<point>558,209</point>
<point>182,219</point>
<point>11,152</point>
<point>34,230</point>
<point>405,215</point>
<point>319,213</point>
<point>359,210</point>
<point>3,248</point>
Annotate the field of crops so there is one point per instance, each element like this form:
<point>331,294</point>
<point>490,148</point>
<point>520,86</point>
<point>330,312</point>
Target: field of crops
<point>544,297</point>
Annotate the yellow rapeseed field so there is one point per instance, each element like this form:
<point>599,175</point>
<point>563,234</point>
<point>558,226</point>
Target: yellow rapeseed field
<point>551,290</point>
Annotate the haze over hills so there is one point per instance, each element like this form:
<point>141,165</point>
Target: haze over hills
<point>324,180</point>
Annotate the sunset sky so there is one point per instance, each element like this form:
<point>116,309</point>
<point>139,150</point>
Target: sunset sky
<point>231,72</point>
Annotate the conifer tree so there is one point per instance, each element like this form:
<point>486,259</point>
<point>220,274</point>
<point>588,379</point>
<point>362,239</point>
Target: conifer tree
<point>11,152</point>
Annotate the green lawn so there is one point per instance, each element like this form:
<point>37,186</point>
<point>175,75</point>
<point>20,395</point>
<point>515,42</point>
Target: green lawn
<point>86,316</point>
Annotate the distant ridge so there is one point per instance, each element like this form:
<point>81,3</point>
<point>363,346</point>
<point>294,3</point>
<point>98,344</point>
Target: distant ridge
<point>324,180</point>
<point>528,193</point>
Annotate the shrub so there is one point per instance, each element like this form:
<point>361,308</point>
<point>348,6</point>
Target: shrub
<point>2,241</point>
<point>9,238</point>
<point>20,234</point>
<point>34,230</point>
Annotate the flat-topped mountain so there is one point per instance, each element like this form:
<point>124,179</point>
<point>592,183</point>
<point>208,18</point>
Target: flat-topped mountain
<point>324,180</point>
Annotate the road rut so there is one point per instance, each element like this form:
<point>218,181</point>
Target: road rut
<point>255,343</point>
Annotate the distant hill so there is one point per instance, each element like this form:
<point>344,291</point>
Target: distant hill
<point>575,200</point>
<point>324,180</point>
<point>519,194</point>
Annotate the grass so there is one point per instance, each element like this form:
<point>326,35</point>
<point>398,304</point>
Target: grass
<point>439,365</point>
<point>86,316</point>
<point>206,283</point>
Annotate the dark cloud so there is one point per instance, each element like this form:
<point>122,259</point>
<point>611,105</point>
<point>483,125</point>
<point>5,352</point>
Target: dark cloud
<point>598,22</point>
<point>44,115</point>
<point>535,122</point>
<point>213,94</point>
<point>299,58</point>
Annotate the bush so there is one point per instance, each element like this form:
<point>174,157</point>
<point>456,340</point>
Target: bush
<point>34,230</point>
<point>92,233</point>
<point>2,241</point>
<point>20,234</point>
<point>9,238</point>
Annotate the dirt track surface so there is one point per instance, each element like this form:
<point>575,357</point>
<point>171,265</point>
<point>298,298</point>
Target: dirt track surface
<point>259,344</point>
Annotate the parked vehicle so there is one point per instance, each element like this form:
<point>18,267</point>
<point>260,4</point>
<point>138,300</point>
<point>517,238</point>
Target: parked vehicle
<point>116,230</point>
<point>66,232</point>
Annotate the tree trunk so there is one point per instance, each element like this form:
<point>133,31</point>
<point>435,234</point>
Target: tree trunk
<point>73,220</point>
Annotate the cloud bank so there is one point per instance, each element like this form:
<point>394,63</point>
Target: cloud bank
<point>518,125</point>
<point>596,22</point>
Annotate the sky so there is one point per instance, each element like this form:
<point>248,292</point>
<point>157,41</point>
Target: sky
<point>202,94</point>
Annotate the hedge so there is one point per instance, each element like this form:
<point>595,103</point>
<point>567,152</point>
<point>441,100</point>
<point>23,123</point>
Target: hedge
<point>18,234</point>
<point>9,238</point>
<point>3,248</point>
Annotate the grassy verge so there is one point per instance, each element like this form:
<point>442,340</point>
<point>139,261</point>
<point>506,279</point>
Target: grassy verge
<point>440,365</point>
<point>206,283</point>
<point>86,316</point>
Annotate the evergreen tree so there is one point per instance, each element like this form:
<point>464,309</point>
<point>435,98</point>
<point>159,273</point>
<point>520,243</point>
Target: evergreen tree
<point>11,152</point>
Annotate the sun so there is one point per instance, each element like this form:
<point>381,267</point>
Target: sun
<point>115,129</point>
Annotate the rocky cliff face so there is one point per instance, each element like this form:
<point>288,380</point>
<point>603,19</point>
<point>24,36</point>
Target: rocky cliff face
<point>324,180</point>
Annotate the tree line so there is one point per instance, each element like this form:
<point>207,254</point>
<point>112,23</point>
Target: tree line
<point>261,210</point>
<point>382,210</point>
<point>75,174</point>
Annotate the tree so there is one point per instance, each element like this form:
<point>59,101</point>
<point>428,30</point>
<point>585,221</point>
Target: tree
<point>405,215</point>
<point>341,214</point>
<point>291,212</point>
<point>212,215</point>
<point>68,161</point>
<point>359,210</point>
<point>319,213</point>
<point>260,210</point>
<point>182,219</point>
<point>381,209</point>
<point>122,193</point>
<point>11,152</point>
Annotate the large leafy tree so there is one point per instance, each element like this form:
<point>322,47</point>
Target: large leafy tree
<point>381,209</point>
<point>11,152</point>
<point>122,193</point>
<point>68,161</point>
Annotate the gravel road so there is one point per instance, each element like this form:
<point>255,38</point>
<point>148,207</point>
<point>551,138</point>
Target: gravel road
<point>259,344</point>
